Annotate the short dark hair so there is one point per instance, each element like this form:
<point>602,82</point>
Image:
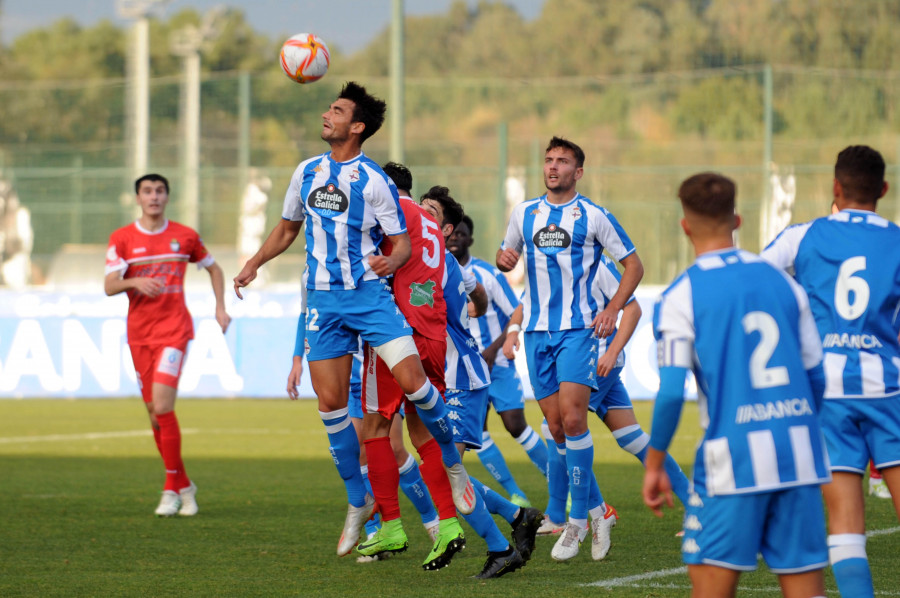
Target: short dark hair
<point>152,177</point>
<point>468,222</point>
<point>566,144</point>
<point>708,194</point>
<point>400,174</point>
<point>368,110</point>
<point>453,212</point>
<point>860,171</point>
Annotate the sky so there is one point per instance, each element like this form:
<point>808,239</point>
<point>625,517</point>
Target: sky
<point>347,24</point>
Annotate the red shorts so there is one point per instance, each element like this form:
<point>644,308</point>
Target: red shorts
<point>382,393</point>
<point>157,364</point>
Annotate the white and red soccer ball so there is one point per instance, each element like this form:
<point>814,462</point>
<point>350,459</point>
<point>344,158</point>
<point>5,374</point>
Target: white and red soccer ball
<point>305,58</point>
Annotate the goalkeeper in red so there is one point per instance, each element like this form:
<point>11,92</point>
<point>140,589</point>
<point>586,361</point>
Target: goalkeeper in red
<point>147,260</point>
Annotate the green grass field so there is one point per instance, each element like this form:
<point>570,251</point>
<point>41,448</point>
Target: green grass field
<point>81,480</point>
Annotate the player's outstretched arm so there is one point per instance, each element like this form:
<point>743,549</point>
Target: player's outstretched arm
<point>275,244</point>
<point>385,265</point>
<point>631,277</point>
<point>657,489</point>
<point>507,259</point>
<point>631,315</point>
<point>217,279</point>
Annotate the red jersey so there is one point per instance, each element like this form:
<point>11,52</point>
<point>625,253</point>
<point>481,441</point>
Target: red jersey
<point>417,284</point>
<point>163,255</point>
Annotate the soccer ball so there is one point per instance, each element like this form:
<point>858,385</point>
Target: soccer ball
<point>304,58</point>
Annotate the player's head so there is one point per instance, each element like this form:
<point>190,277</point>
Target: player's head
<point>577,152</point>
<point>367,109</point>
<point>563,166</point>
<point>446,210</point>
<point>460,240</point>
<point>151,178</point>
<point>859,176</point>
<point>708,201</point>
<point>400,174</point>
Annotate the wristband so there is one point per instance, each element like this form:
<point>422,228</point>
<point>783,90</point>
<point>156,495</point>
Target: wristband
<point>513,328</point>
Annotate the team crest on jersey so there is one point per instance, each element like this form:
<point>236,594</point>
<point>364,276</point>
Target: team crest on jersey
<point>422,294</point>
<point>576,212</point>
<point>551,239</point>
<point>354,175</point>
<point>174,245</point>
<point>328,201</point>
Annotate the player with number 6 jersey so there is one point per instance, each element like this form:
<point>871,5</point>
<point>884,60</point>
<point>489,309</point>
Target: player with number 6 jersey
<point>849,264</point>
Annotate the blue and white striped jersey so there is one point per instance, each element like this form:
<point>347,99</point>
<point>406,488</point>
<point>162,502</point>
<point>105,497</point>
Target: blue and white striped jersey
<point>849,265</point>
<point>606,284</point>
<point>562,246</point>
<point>350,206</point>
<point>465,368</point>
<point>746,331</point>
<point>502,302</point>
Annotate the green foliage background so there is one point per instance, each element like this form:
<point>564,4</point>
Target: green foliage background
<point>654,90</point>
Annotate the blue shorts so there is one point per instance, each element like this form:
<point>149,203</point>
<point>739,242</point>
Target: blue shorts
<point>336,319</point>
<point>564,356</point>
<point>858,429</point>
<point>610,394</point>
<point>466,410</point>
<point>505,392</point>
<point>786,526</point>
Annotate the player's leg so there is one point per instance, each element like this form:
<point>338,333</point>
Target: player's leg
<point>411,481</point>
<point>810,584</point>
<point>492,459</point>
<point>631,438</point>
<point>708,581</point>
<point>573,402</point>
<point>847,534</point>
<point>557,485</point>
<point>891,477</point>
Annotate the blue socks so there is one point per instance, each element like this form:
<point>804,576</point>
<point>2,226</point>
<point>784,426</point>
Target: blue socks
<point>579,462</point>
<point>557,478</point>
<point>483,524</point>
<point>534,448</point>
<point>494,502</point>
<point>634,440</point>
<point>344,448</point>
<point>417,492</point>
<point>433,413</point>
<point>492,459</point>
<point>850,565</point>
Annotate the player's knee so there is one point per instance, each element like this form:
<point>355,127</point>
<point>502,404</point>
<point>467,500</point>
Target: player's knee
<point>396,350</point>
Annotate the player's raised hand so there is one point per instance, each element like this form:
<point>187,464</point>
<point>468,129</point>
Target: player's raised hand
<point>151,287</point>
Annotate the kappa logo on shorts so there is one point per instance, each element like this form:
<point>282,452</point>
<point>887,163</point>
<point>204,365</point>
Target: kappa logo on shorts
<point>690,546</point>
<point>170,361</point>
<point>551,239</point>
<point>422,294</point>
<point>328,201</point>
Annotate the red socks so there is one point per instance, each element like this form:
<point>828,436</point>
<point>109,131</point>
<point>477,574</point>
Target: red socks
<point>435,477</point>
<point>170,447</point>
<point>383,476</point>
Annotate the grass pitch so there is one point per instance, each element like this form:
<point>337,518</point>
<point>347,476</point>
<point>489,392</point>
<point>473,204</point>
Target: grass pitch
<point>81,480</point>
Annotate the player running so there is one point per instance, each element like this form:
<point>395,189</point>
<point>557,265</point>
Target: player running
<point>148,260</point>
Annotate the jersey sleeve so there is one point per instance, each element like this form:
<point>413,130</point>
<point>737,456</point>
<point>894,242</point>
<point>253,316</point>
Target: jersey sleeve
<point>381,193</point>
<point>611,235</point>
<point>506,300</point>
<point>114,260</point>
<point>200,254</point>
<point>514,239</point>
<point>673,325</point>
<point>469,279</point>
<point>810,341</point>
<point>783,250</point>
<point>293,198</point>
<point>606,282</point>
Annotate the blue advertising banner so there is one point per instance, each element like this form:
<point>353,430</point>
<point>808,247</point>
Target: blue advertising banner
<point>73,345</point>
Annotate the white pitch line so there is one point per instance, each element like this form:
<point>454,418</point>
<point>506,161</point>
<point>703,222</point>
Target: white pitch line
<point>86,436</point>
<point>621,581</point>
<point>632,580</point>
